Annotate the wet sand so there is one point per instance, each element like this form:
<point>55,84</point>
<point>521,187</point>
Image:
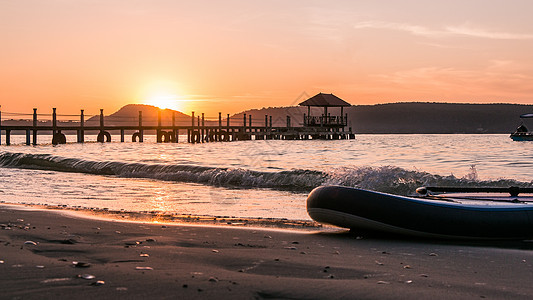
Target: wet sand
<point>48,254</point>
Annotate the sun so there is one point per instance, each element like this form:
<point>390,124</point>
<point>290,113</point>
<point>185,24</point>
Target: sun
<point>165,100</point>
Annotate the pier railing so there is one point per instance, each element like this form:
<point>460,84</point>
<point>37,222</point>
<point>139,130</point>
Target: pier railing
<point>336,121</point>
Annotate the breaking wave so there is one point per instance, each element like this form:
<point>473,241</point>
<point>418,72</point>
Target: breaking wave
<point>388,179</point>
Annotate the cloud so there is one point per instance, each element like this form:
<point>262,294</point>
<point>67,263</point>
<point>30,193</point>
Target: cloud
<point>461,30</point>
<point>412,29</point>
<point>481,33</point>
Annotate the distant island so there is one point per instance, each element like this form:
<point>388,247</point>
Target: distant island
<point>418,117</point>
<point>392,118</point>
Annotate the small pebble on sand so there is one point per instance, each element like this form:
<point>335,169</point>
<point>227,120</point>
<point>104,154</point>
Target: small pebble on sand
<point>80,264</point>
<point>87,276</point>
<point>53,280</point>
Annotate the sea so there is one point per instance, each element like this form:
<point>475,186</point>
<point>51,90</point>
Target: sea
<point>250,179</point>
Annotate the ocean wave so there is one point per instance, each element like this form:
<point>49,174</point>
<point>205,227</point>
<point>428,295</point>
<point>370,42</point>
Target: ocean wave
<point>297,180</point>
<point>389,179</point>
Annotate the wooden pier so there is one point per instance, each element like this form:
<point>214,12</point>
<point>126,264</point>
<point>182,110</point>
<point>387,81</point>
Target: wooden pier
<point>324,127</point>
<point>197,131</point>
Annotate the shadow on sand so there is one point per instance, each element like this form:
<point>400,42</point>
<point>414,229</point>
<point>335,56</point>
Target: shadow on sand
<point>397,238</point>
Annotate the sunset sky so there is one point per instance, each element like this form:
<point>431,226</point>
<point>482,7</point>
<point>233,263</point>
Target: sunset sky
<point>229,56</point>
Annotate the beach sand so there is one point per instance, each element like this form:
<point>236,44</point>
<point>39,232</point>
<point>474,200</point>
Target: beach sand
<point>48,254</point>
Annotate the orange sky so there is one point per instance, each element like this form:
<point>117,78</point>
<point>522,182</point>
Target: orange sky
<point>208,57</point>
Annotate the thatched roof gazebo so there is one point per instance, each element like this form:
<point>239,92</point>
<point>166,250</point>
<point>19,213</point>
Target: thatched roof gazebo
<point>325,101</point>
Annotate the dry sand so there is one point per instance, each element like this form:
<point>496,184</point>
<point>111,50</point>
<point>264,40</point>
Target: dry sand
<point>129,260</point>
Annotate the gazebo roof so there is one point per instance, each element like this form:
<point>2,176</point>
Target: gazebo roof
<point>323,100</point>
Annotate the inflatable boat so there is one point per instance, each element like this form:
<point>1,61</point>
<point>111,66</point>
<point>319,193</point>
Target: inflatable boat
<point>435,212</point>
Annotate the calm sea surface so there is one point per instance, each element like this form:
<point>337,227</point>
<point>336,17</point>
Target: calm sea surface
<point>250,178</point>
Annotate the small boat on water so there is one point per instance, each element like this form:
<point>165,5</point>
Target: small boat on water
<point>522,133</point>
<point>436,212</point>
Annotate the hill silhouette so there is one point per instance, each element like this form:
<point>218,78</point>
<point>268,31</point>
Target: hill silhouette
<point>129,115</point>
<point>412,117</point>
<point>436,118</point>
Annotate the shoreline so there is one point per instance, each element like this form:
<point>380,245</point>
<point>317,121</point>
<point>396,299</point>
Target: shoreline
<point>48,254</point>
<point>169,218</point>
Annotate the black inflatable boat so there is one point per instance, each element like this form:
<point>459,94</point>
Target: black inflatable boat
<point>479,213</point>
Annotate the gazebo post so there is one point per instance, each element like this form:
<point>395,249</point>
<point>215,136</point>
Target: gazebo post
<point>306,122</point>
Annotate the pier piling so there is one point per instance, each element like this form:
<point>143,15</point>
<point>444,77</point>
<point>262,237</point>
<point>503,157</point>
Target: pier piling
<point>203,128</point>
<point>158,131</point>
<point>35,126</point>
<point>54,121</point>
<point>103,136</point>
<point>141,133</point>
<point>175,131</point>
<point>81,132</point>
<point>57,136</point>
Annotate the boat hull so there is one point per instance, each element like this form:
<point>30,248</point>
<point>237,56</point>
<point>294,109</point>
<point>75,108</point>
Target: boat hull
<point>367,210</point>
<point>520,137</point>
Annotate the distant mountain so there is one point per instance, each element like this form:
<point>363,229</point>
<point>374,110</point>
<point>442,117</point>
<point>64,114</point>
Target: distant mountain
<point>129,115</point>
<point>436,118</point>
